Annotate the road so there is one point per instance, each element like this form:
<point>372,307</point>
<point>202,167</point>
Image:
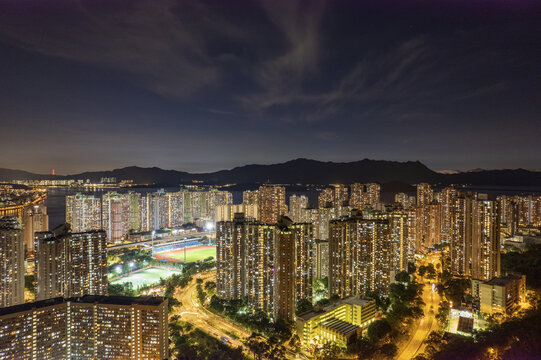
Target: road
<point>427,324</point>
<point>191,311</point>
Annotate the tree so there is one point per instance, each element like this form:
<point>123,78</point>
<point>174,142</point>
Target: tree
<point>378,329</point>
<point>388,350</point>
<point>29,282</point>
<point>402,277</point>
<point>411,268</point>
<point>455,289</point>
<point>422,270</point>
<point>201,295</point>
<point>303,305</point>
<point>295,342</point>
<point>430,272</point>
<point>257,346</point>
<point>329,351</point>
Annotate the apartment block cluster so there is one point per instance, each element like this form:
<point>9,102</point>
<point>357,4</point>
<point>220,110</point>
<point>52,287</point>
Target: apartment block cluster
<point>72,316</point>
<point>121,213</point>
<point>267,252</point>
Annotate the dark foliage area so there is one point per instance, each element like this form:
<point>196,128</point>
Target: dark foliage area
<point>255,320</point>
<point>527,263</point>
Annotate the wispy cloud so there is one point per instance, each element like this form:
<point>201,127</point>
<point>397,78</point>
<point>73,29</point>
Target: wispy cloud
<point>157,41</point>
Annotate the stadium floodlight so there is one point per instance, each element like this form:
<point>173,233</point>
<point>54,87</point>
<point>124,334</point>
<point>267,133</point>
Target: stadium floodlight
<point>132,264</point>
<point>209,226</point>
<point>118,269</point>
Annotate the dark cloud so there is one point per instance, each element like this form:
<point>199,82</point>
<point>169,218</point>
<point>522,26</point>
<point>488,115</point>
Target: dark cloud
<point>455,84</point>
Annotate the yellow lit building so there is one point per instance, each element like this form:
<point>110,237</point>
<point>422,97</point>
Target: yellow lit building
<point>340,322</point>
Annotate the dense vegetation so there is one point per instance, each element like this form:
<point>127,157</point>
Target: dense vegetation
<point>517,338</point>
<point>401,308</point>
<point>527,262</point>
<point>190,344</point>
<point>255,320</point>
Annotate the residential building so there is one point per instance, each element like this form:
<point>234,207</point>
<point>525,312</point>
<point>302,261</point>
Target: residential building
<point>83,212</point>
<point>325,198</point>
<point>35,219</point>
<point>272,203</point>
<point>88,327</point>
<point>296,205</point>
<point>11,262</point>
<point>268,264</point>
<point>360,256</point>
<point>70,264</point>
<point>475,239</point>
<point>321,267</point>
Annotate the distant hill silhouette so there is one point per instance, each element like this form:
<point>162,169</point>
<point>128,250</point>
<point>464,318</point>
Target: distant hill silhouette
<point>306,171</point>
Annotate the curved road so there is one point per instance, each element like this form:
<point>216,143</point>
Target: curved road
<point>191,311</point>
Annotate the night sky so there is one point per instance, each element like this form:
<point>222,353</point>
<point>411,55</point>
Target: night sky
<point>208,85</point>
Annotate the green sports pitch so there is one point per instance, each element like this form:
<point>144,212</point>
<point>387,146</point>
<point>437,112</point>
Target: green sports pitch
<point>192,254</point>
<point>146,277</point>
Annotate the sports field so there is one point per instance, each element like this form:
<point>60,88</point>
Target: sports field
<point>192,254</point>
<point>146,277</point>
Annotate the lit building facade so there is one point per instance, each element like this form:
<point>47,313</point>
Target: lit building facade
<point>272,203</point>
<point>297,203</point>
<point>360,256</point>
<point>321,266</point>
<point>406,201</point>
<point>325,198</point>
<point>89,327</point>
<point>269,264</point>
<point>475,238</point>
<point>70,264</point>
<point>83,212</point>
<point>11,262</point>
<point>35,219</point>
<point>115,216</point>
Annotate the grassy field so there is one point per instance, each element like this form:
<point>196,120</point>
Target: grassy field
<point>195,255</point>
<point>146,277</point>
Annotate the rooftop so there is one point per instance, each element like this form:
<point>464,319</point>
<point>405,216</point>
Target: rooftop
<point>352,300</point>
<point>88,299</point>
<point>503,280</point>
<point>339,326</point>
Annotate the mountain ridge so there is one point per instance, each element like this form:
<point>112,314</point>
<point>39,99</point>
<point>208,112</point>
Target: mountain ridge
<point>303,171</point>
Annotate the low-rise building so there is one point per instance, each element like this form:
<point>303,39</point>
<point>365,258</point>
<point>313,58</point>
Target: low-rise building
<point>500,295</point>
<point>339,322</point>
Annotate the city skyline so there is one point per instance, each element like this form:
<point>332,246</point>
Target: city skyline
<point>453,84</point>
<point>270,179</point>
